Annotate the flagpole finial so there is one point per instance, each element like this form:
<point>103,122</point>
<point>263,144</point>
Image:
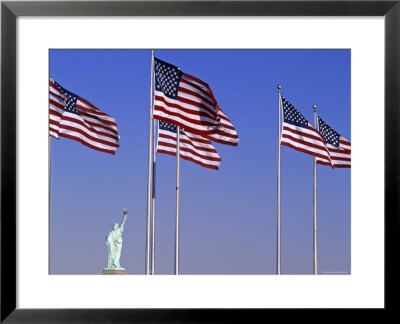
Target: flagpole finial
<point>315,107</point>
<point>279,86</point>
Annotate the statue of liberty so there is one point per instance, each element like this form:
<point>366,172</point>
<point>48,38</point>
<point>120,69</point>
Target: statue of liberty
<point>114,243</point>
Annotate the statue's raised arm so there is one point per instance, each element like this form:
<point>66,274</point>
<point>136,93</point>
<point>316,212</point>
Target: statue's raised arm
<point>124,219</point>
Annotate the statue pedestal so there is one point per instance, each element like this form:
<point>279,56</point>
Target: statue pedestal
<point>110,271</point>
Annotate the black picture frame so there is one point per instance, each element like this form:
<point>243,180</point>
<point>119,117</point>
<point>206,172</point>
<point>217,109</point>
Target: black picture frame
<point>10,10</point>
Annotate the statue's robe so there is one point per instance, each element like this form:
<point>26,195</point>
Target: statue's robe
<point>114,242</point>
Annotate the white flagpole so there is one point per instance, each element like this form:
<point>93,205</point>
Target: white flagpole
<point>153,200</point>
<point>315,201</point>
<point>149,183</point>
<point>178,133</point>
<point>49,146</point>
<point>49,185</point>
<point>49,169</point>
<point>177,200</point>
<point>278,270</point>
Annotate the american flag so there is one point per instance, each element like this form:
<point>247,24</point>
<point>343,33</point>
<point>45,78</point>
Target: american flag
<point>192,147</point>
<point>339,148</point>
<point>75,118</point>
<point>299,134</point>
<point>188,102</point>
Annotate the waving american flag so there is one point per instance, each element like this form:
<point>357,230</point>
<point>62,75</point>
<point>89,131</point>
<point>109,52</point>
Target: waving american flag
<point>192,147</point>
<point>339,148</point>
<point>76,118</point>
<point>299,134</point>
<point>188,102</point>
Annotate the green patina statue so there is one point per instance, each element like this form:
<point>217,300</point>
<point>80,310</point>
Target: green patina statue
<point>114,243</point>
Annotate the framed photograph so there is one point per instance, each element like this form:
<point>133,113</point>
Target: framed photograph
<point>286,55</point>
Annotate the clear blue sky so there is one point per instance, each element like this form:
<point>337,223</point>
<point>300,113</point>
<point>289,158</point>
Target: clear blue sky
<point>228,217</point>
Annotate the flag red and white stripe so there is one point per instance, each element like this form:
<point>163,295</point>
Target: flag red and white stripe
<point>75,118</point>
<point>340,157</point>
<point>304,140</point>
<point>193,147</point>
<point>226,133</point>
